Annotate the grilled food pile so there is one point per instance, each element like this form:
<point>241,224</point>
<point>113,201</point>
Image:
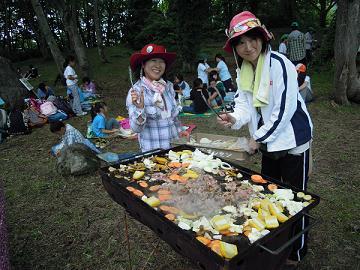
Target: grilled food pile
<point>210,198</point>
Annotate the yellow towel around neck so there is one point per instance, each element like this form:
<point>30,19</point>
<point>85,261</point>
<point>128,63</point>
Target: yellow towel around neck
<point>258,82</point>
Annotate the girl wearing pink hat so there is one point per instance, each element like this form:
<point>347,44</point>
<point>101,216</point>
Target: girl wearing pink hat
<point>153,111</point>
<point>268,102</point>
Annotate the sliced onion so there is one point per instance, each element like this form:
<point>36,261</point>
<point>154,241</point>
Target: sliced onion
<point>226,166</point>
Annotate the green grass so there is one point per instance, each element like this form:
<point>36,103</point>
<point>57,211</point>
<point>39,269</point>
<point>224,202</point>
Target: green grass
<point>72,223</point>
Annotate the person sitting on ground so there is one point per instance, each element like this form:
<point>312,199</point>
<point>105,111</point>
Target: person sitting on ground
<point>44,91</point>
<point>102,126</point>
<point>69,135</point>
<point>215,89</point>
<point>304,83</point>
<point>199,95</point>
<point>223,73</point>
<point>283,43</point>
<point>179,80</point>
<point>34,117</point>
<point>88,86</point>
<point>71,82</point>
<point>178,94</point>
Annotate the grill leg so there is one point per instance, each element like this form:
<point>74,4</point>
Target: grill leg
<point>127,239</point>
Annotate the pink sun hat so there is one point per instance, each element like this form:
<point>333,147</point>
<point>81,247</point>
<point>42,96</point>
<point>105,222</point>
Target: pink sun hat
<point>242,23</point>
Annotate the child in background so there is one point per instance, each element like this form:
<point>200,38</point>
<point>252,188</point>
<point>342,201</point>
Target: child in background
<point>282,46</point>
<point>199,95</point>
<point>44,91</point>
<point>179,80</point>
<point>101,126</point>
<point>304,83</point>
<point>34,117</point>
<point>71,82</point>
<point>216,88</point>
<point>88,87</point>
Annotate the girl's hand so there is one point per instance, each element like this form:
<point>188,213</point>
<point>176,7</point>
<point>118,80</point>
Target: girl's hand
<point>137,99</point>
<point>226,120</point>
<point>253,145</point>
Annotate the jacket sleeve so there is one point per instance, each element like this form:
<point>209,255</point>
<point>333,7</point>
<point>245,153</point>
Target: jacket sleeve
<point>241,110</point>
<point>285,93</point>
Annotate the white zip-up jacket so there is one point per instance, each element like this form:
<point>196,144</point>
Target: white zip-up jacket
<point>286,121</point>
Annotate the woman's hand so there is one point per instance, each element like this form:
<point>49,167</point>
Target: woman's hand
<point>137,99</point>
<point>226,120</point>
<point>253,146</point>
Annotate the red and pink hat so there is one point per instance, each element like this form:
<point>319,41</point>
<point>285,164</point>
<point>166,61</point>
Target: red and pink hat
<point>242,23</point>
<point>151,51</point>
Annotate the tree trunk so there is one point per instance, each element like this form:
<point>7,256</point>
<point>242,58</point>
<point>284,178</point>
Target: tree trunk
<point>98,33</point>
<point>45,29</point>
<point>11,88</point>
<point>70,22</point>
<point>347,40</point>
<point>109,22</point>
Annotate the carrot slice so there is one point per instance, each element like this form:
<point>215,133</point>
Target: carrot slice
<point>164,192</point>
<point>215,246</point>
<point>227,233</point>
<point>138,193</point>
<point>174,164</point>
<point>272,187</point>
<point>154,188</point>
<point>143,184</point>
<point>164,198</point>
<point>174,177</point>
<point>173,210</point>
<point>164,208</point>
<point>131,189</point>
<point>203,240</point>
<point>246,233</point>
<point>258,179</point>
<point>170,217</point>
<point>185,165</point>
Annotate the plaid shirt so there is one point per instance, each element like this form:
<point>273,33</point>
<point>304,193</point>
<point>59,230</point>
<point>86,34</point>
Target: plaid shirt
<point>156,130</point>
<point>296,46</point>
<point>72,135</point>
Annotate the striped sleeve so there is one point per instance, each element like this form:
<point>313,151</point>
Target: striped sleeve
<point>285,91</point>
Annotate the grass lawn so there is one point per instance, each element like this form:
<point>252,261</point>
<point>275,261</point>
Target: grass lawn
<point>72,223</point>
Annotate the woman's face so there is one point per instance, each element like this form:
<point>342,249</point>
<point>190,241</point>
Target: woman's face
<point>154,68</point>
<point>249,49</point>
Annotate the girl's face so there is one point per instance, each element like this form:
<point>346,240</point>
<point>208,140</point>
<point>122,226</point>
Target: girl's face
<point>176,80</point>
<point>249,49</point>
<point>104,109</point>
<point>154,68</point>
<point>215,76</point>
<point>72,63</point>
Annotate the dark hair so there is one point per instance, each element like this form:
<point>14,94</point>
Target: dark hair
<point>220,57</point>
<point>176,87</point>
<point>212,80</point>
<point>197,83</point>
<point>254,34</point>
<point>19,105</point>
<point>200,62</point>
<point>301,78</point>
<point>56,126</point>
<point>179,76</point>
<point>96,108</point>
<point>212,73</point>
<point>69,59</point>
<point>42,86</point>
<point>86,80</point>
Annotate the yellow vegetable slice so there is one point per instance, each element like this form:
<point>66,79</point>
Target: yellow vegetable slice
<point>263,213</point>
<point>281,217</point>
<point>274,209</point>
<point>227,250</point>
<point>307,197</point>
<point>138,175</point>
<point>152,201</point>
<point>257,223</point>
<point>220,223</point>
<point>271,222</point>
<point>264,204</point>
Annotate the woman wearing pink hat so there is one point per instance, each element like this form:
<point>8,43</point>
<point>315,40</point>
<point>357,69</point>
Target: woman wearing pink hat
<point>269,103</point>
<point>153,111</point>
